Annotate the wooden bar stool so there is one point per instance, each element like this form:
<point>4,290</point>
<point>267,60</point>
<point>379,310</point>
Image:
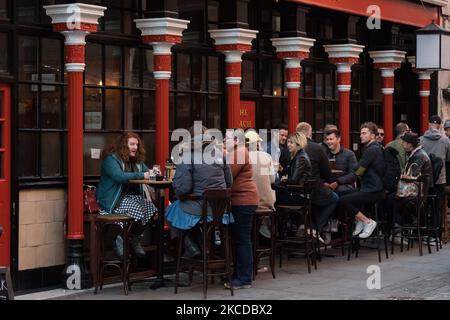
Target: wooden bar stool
<point>258,249</point>
<point>107,258</point>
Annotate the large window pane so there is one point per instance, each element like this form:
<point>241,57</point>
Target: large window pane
<point>319,84</point>
<point>4,9</point>
<point>50,154</point>
<point>132,67</point>
<point>199,108</point>
<point>28,58</point>
<point>248,75</point>
<point>94,64</point>
<point>132,110</point>
<point>113,110</point>
<point>51,108</point>
<point>214,112</point>
<point>183,111</point>
<point>149,80</point>
<point>214,74</point>
<point>51,60</point>
<point>95,141</point>
<point>28,101</point>
<point>329,85</point>
<point>28,154</point>
<point>113,61</point>
<point>198,73</point>
<point>93,109</point>
<point>149,141</point>
<point>183,72</point>
<point>4,58</point>
<point>27,11</point>
<point>277,76</point>
<point>308,80</point>
<point>148,111</point>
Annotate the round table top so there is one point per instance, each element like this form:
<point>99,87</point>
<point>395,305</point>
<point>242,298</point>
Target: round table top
<point>153,183</point>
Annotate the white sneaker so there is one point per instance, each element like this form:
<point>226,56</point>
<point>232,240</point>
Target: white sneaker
<point>368,229</point>
<point>359,227</point>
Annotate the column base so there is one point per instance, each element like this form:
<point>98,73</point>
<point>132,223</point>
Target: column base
<point>75,275</point>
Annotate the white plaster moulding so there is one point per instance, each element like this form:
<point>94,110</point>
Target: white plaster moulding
<point>233,36</point>
<point>293,44</point>
<point>162,26</point>
<point>75,12</point>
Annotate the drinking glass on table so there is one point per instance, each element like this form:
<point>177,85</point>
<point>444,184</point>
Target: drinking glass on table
<point>157,169</point>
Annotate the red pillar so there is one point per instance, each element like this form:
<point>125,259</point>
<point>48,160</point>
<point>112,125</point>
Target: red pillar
<point>75,65</point>
<point>75,21</point>
<point>162,67</point>
<point>293,82</point>
<point>293,109</point>
<point>344,56</point>
<point>233,43</point>
<point>424,92</point>
<point>233,77</point>
<point>344,117</point>
<point>75,155</point>
<point>162,34</point>
<point>388,61</point>
<point>293,50</point>
<point>387,89</point>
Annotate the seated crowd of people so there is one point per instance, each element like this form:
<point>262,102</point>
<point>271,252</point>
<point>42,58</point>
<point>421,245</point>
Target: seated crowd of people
<point>343,183</point>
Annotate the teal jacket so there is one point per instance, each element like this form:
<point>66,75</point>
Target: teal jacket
<point>113,178</point>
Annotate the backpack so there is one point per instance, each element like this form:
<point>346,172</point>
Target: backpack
<point>436,167</point>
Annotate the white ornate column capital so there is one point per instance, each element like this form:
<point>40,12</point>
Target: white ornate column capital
<point>75,21</point>
<point>387,59</point>
<point>236,39</point>
<point>162,33</point>
<point>233,43</point>
<point>293,50</point>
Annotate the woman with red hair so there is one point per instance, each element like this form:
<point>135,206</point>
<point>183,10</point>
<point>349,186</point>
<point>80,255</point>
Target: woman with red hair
<point>122,162</point>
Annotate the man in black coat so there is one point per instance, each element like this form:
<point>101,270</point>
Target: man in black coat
<point>323,198</point>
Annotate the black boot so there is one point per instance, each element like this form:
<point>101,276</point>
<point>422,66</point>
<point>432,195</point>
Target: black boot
<point>191,249</point>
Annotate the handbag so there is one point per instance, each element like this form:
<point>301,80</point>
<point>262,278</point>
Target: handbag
<point>408,186</point>
<point>90,201</point>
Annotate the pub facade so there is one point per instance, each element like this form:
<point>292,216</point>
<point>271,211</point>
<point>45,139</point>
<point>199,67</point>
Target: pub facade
<point>71,81</point>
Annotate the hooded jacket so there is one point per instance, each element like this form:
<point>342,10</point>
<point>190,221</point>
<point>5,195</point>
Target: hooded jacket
<point>433,142</point>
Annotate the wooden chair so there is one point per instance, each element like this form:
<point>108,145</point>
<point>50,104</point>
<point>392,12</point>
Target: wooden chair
<point>293,243</point>
<point>258,249</point>
<point>106,258</point>
<point>424,209</point>
<point>215,261</point>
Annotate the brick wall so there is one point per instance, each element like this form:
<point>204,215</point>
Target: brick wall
<point>41,228</point>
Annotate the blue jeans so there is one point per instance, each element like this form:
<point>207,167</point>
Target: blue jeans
<point>241,231</point>
<point>322,213</point>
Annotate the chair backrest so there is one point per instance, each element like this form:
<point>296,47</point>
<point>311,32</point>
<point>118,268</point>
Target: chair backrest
<point>219,200</point>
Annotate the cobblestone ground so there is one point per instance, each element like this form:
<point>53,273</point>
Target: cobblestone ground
<point>403,276</point>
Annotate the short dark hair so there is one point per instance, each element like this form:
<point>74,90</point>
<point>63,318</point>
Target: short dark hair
<point>400,128</point>
<point>282,126</point>
<point>336,132</point>
<point>373,128</point>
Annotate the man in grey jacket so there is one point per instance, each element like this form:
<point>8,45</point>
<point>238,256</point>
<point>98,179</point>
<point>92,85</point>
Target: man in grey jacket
<point>345,161</point>
<point>434,142</point>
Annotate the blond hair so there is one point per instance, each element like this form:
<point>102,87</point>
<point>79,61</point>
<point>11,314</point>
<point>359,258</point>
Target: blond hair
<point>299,139</point>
